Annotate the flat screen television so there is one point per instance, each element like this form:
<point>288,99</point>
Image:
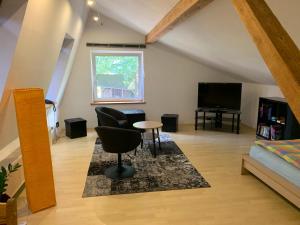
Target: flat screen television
<point>220,95</point>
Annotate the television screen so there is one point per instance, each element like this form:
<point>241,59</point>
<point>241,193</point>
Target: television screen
<point>220,95</point>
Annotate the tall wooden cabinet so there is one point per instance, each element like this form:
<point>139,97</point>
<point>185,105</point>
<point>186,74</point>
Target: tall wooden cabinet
<point>275,120</point>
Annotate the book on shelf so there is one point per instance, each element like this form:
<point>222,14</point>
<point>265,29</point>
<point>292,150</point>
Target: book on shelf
<point>276,132</point>
<point>272,132</point>
<point>264,131</point>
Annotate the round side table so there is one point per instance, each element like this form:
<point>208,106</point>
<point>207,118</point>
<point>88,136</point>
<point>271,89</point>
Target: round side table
<point>150,125</point>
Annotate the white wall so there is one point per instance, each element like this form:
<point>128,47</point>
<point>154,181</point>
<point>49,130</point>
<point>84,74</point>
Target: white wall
<point>250,98</point>
<point>60,69</point>
<point>9,33</point>
<point>44,27</point>
<point>171,79</point>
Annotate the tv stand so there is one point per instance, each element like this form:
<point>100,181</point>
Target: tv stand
<point>218,117</point>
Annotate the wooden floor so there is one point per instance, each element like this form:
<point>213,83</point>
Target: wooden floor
<point>232,199</point>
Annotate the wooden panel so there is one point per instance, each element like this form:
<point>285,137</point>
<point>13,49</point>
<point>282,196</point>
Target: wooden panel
<point>8,212</point>
<point>35,147</point>
<point>278,50</point>
<point>180,11</point>
<point>2,211</point>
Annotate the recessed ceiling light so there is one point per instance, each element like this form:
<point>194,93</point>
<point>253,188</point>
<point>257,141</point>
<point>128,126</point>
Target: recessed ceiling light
<point>90,2</point>
<point>96,18</point>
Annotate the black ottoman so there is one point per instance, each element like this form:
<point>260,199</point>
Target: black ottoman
<point>170,122</point>
<point>75,127</point>
<point>134,115</point>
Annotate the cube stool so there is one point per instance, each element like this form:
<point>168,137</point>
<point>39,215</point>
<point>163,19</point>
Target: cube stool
<point>75,127</point>
<point>170,122</point>
<point>134,115</point>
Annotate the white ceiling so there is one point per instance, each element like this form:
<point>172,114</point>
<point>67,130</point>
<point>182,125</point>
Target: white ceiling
<point>141,15</point>
<point>213,35</point>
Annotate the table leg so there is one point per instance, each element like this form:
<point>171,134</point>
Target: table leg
<point>196,120</point>
<point>158,137</point>
<point>218,120</point>
<point>203,120</point>
<point>232,125</point>
<point>154,146</point>
<point>238,124</point>
<point>221,120</point>
<point>142,143</point>
<point>142,140</point>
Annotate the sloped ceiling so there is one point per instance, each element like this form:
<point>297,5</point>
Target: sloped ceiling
<point>8,8</point>
<point>140,15</point>
<point>213,35</point>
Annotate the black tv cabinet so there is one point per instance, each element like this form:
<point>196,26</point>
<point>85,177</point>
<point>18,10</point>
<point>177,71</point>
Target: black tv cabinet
<point>275,120</point>
<point>218,119</point>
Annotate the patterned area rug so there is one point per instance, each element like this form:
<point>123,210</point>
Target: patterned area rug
<point>170,170</point>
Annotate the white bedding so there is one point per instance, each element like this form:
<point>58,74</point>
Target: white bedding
<point>275,163</point>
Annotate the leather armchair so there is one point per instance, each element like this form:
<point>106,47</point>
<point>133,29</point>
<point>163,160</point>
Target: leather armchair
<point>118,140</point>
<point>111,117</point>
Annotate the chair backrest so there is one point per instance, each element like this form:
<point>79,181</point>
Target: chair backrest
<point>118,140</point>
<point>118,115</point>
<point>105,119</point>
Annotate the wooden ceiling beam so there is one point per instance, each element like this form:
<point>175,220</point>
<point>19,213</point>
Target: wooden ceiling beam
<point>277,48</point>
<point>180,11</point>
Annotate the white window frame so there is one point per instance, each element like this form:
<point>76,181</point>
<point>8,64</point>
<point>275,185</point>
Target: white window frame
<point>140,54</point>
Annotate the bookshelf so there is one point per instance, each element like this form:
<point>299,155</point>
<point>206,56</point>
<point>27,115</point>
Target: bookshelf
<point>275,120</point>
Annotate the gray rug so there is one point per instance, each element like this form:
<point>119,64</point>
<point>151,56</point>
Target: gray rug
<point>170,170</point>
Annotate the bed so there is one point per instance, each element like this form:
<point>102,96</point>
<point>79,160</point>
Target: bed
<point>274,168</point>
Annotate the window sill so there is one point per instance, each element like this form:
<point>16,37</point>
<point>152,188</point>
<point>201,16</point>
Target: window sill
<point>117,102</point>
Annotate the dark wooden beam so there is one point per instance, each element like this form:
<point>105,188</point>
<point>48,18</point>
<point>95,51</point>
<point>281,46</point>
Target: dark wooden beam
<point>180,11</point>
<point>277,48</point>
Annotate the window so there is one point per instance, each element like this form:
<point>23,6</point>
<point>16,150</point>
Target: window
<point>118,76</point>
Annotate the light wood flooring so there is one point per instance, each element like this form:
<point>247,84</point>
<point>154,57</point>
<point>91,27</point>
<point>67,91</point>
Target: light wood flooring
<point>233,199</point>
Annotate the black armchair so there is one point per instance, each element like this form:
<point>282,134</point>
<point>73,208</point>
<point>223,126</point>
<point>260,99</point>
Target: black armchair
<point>118,140</point>
<point>111,117</point>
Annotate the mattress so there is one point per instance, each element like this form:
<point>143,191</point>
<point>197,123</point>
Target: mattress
<point>276,164</point>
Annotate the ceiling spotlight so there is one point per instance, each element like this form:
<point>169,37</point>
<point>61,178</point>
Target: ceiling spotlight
<point>90,2</point>
<point>96,18</point>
